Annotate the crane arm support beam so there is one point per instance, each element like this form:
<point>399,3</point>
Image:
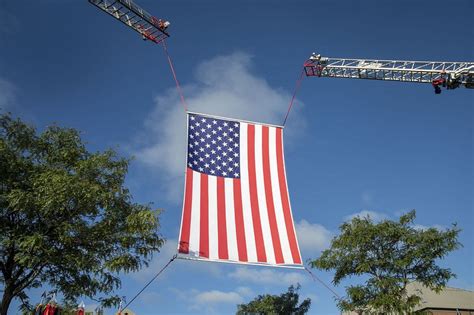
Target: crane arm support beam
<point>454,73</point>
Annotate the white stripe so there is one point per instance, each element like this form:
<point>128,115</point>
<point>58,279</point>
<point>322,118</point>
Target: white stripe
<point>262,202</point>
<point>230,219</point>
<point>195,215</point>
<point>280,218</point>
<point>213,234</point>
<point>246,208</point>
<point>288,193</point>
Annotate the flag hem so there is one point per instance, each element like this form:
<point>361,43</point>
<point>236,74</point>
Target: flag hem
<point>235,119</point>
<point>186,257</point>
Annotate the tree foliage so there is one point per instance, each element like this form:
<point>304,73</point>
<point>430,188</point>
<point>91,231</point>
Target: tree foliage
<point>389,254</point>
<point>285,303</point>
<point>66,218</point>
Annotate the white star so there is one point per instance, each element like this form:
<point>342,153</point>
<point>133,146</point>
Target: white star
<point>236,144</point>
<point>236,125</point>
<point>236,135</point>
<point>230,149</point>
<point>191,127</point>
<point>208,145</point>
<point>213,161</point>
<point>230,169</point>
<point>207,155</point>
<point>191,145</point>
<point>236,164</point>
<point>225,134</point>
<point>219,148</point>
<point>236,175</point>
<point>225,124</point>
<point>196,143</point>
<point>224,163</point>
<point>208,135</point>
<point>203,120</point>
<point>219,128</point>
<point>208,126</point>
<point>230,139</point>
<point>213,141</point>
<point>191,136</point>
<point>196,133</point>
<point>203,130</point>
<point>201,169</point>
<point>195,162</point>
<point>213,152</point>
<point>202,140</point>
<point>214,122</point>
<point>190,155</point>
<point>213,132</point>
<point>236,154</point>
<point>231,129</point>
<point>218,167</point>
<point>224,144</point>
<point>195,152</point>
<point>197,124</point>
<point>201,159</point>
<point>218,158</point>
<point>201,149</point>
<point>224,173</point>
<point>192,117</point>
<point>212,171</point>
<point>206,165</point>
<point>190,164</point>
<point>224,153</point>
<point>230,159</point>
<point>219,138</point>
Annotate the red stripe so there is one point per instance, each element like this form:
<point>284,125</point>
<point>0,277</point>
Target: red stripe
<point>285,200</point>
<point>269,197</point>
<point>221,221</point>
<point>257,226</point>
<point>204,218</point>
<point>186,224</point>
<point>239,221</point>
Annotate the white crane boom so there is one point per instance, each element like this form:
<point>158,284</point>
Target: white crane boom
<point>439,73</point>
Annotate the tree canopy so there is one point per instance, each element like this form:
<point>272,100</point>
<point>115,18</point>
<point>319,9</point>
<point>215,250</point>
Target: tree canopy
<point>66,218</point>
<point>285,303</point>
<point>389,254</point>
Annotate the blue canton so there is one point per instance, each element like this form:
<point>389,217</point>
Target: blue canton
<point>213,146</point>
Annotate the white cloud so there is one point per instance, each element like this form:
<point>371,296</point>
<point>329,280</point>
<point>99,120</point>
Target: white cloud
<point>7,94</point>
<point>208,301</point>
<point>217,297</point>
<point>375,216</point>
<point>268,276</point>
<point>223,86</point>
<point>312,238</point>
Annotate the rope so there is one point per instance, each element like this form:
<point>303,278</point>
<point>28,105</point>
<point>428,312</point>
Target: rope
<point>322,282</point>
<point>178,87</point>
<point>298,84</point>
<point>149,282</point>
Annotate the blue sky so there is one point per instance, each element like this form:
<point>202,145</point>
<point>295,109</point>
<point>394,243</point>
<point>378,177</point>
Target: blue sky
<point>352,146</point>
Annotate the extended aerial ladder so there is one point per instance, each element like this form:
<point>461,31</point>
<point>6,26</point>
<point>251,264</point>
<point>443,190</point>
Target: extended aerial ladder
<point>132,15</point>
<point>450,75</point>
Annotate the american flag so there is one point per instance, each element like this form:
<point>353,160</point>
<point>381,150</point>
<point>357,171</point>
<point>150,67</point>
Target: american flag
<point>236,206</point>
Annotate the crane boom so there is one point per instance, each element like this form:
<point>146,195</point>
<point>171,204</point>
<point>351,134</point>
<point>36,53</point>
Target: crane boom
<point>447,74</point>
<point>129,13</point>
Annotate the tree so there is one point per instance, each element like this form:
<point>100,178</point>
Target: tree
<point>66,218</point>
<point>389,254</point>
<point>285,303</point>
